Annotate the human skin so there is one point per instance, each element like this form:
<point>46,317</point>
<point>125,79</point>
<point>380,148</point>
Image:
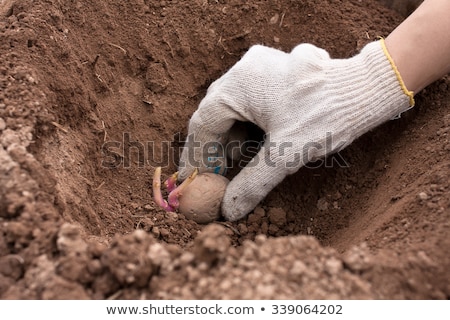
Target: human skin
<point>420,45</point>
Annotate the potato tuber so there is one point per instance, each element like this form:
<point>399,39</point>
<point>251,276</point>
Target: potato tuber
<point>202,198</point>
<point>198,197</point>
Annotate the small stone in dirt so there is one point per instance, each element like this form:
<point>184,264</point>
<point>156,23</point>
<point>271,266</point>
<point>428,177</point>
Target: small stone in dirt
<point>135,206</point>
<point>2,124</point>
<point>12,266</point>
<point>69,240</point>
<point>212,244</point>
<point>156,232</point>
<point>264,227</point>
<point>256,216</point>
<point>184,51</point>
<point>423,196</point>
<point>140,236</point>
<point>159,255</point>
<point>156,78</point>
<point>273,229</point>
<point>277,216</point>
<point>173,216</point>
<point>9,137</point>
<point>274,19</point>
<point>164,233</point>
<point>333,266</point>
<point>322,204</point>
<point>357,258</point>
<point>187,258</point>
<point>148,207</point>
<point>242,228</point>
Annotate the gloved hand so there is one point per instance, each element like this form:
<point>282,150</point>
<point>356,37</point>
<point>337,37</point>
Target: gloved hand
<point>308,104</point>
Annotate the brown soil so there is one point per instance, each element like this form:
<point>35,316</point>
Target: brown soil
<point>95,94</point>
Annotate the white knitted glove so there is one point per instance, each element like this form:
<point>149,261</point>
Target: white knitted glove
<point>300,100</point>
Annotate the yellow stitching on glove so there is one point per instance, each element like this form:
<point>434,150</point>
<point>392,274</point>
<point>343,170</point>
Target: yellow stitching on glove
<point>410,94</point>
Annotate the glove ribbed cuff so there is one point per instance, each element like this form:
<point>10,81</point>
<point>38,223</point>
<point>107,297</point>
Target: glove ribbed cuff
<point>410,94</point>
<point>369,90</point>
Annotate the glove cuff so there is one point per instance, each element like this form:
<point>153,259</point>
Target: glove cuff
<point>375,68</point>
<point>409,93</point>
<point>365,90</point>
<point>371,80</point>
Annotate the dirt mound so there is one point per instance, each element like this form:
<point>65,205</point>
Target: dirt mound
<point>96,94</point>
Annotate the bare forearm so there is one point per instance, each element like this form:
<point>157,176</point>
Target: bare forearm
<point>420,46</point>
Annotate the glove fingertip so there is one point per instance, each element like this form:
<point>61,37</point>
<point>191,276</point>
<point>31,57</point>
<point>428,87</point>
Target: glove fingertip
<point>231,214</point>
<point>235,205</point>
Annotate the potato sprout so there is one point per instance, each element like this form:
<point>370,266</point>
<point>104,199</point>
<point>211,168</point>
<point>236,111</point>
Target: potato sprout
<point>199,197</point>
